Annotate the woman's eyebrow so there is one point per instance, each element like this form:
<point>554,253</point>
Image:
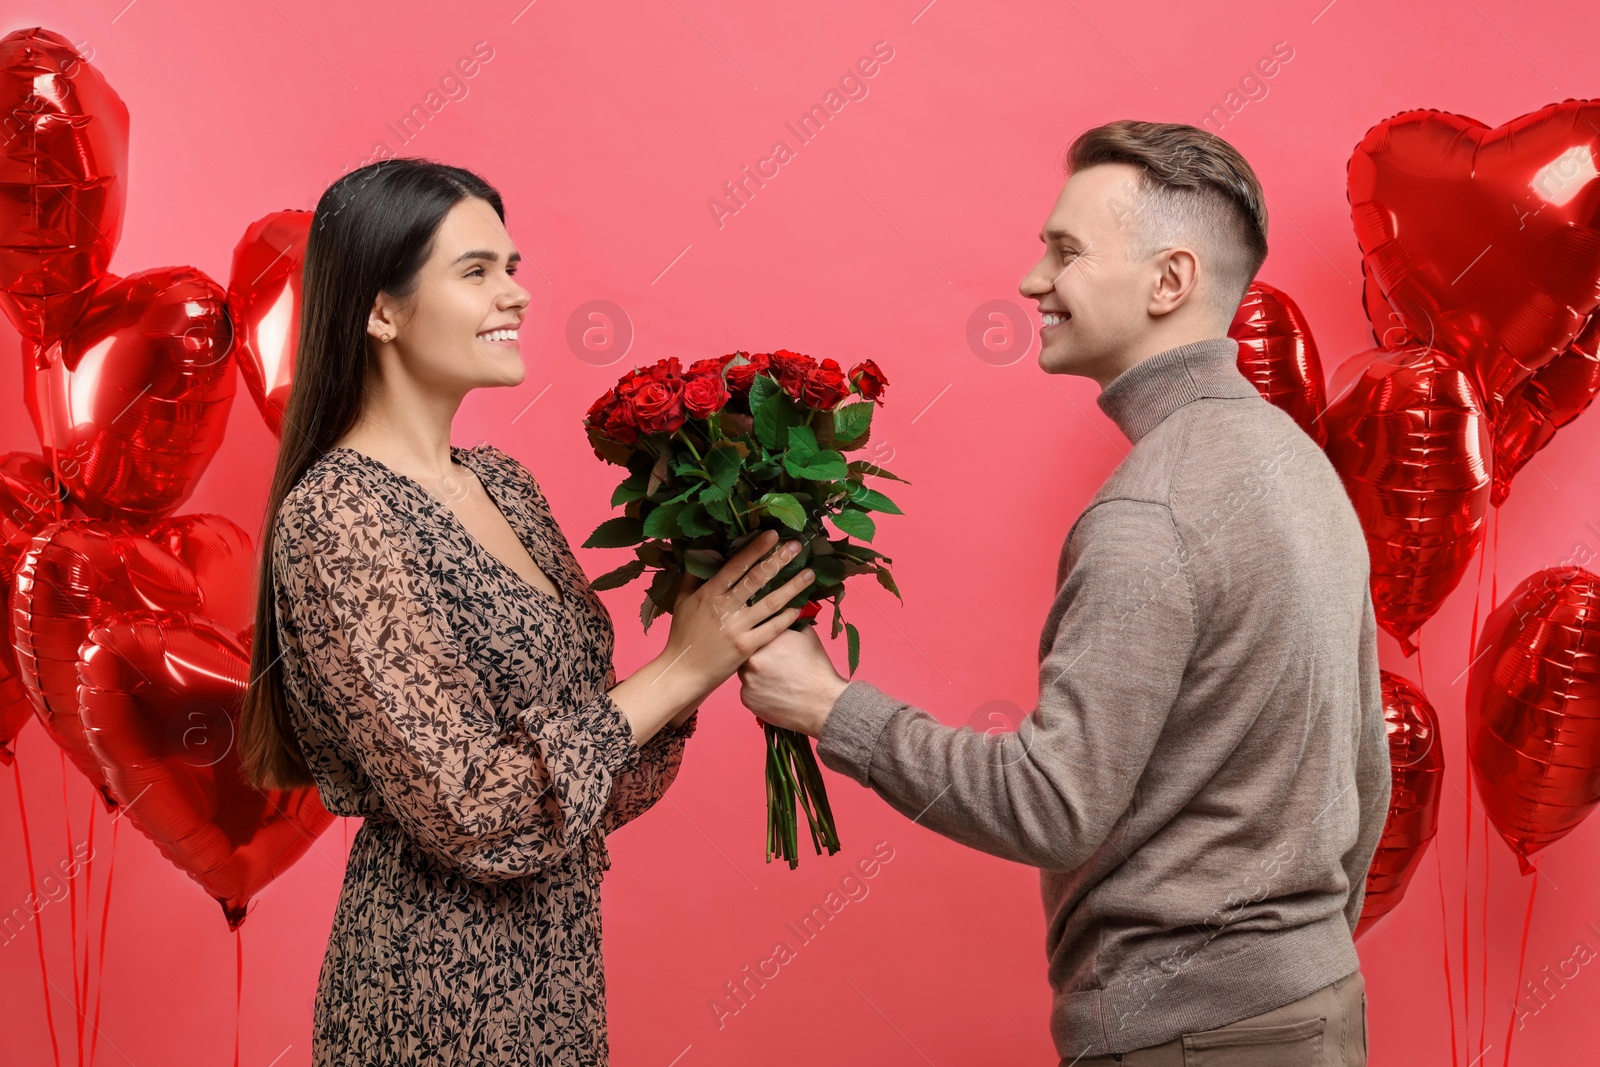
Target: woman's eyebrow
<point>487,254</point>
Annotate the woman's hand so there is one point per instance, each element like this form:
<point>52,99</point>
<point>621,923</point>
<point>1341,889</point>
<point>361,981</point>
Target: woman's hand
<point>715,629</point>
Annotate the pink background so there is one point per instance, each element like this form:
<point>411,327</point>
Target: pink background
<point>608,128</point>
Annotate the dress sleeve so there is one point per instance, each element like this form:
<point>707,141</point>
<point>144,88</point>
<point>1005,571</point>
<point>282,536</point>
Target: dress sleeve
<point>637,789</point>
<point>497,804</point>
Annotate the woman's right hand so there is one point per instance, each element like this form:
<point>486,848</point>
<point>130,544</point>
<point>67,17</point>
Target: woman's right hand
<point>714,629</point>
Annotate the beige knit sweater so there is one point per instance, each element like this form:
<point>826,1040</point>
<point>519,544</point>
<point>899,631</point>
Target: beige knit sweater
<point>1205,778</point>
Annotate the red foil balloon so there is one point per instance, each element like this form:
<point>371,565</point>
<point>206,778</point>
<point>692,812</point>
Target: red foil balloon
<point>220,556</point>
<point>1533,709</point>
<point>78,572</point>
<point>1416,763</point>
<point>160,699</point>
<point>264,302</point>
<point>1557,393</point>
<point>1484,240</point>
<point>63,181</point>
<point>1410,440</point>
<point>1278,355</point>
<point>29,501</point>
<point>132,404</point>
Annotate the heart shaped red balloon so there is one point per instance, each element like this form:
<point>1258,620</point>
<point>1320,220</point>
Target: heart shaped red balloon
<point>1416,766</point>
<point>160,697</point>
<point>264,302</point>
<point>1278,355</point>
<point>1557,393</point>
<point>1486,242</point>
<point>132,404</point>
<point>1553,396</point>
<point>1533,709</point>
<point>63,181</point>
<point>1409,438</point>
<point>79,572</point>
<point>29,501</point>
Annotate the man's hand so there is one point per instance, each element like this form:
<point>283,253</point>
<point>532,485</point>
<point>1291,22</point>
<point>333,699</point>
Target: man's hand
<point>791,683</point>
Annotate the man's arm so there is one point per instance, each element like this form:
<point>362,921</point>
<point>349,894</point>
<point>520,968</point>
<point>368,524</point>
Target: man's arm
<point>1374,780</point>
<point>1049,794</point>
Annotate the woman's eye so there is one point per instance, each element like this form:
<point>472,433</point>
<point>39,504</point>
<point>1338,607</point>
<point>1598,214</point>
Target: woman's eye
<point>474,270</point>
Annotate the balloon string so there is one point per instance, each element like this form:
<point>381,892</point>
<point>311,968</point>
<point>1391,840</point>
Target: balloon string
<point>1444,939</point>
<point>1466,941</point>
<point>88,908</point>
<point>1466,833</point>
<point>38,921</point>
<point>238,988</point>
<point>105,914</point>
<point>72,910</point>
<point>1522,956</point>
<point>1483,936</point>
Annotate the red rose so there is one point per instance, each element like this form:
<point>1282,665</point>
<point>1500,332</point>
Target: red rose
<point>704,394</point>
<point>742,375</point>
<point>702,368</point>
<point>658,406</point>
<point>621,423</point>
<point>825,386</point>
<point>630,383</point>
<point>791,368</point>
<point>665,369</point>
<point>600,408</point>
<point>869,379</point>
<point>810,610</point>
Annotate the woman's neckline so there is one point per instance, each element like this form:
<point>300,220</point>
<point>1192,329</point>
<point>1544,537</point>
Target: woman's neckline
<point>458,453</point>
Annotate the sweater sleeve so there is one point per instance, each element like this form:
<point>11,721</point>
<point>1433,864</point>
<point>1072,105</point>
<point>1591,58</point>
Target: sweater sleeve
<point>1373,781</point>
<point>1048,794</point>
<point>497,803</point>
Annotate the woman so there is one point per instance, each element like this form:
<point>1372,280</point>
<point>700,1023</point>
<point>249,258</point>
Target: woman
<point>429,655</point>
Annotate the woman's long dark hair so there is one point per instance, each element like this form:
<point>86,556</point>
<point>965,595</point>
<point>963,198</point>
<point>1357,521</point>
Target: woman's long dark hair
<point>372,232</point>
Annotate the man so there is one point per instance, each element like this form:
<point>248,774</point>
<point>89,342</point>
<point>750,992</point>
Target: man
<point>1206,776</point>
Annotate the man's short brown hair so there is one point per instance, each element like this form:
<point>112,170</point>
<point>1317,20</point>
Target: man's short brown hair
<point>1194,187</point>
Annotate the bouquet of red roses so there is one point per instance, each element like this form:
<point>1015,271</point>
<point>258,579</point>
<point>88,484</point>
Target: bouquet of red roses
<point>716,454</point>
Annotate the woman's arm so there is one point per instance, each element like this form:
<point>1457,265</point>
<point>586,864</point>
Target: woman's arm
<point>403,695</point>
<point>637,789</point>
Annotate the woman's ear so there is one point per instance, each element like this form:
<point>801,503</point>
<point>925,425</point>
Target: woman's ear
<point>381,320</point>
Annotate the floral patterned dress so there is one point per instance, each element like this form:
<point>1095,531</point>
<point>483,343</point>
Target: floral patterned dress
<point>464,713</point>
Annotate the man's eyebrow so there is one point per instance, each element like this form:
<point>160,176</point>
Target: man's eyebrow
<point>1058,235</point>
<point>487,254</point>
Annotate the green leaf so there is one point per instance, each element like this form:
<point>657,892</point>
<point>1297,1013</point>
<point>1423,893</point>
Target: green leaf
<point>828,569</point>
<point>631,489</point>
<point>616,533</point>
<point>783,507</point>
<point>886,580</point>
<point>855,523</point>
<point>693,520</point>
<point>853,642</point>
<point>820,467</point>
<point>802,441</point>
<point>723,466</point>
<point>703,563</point>
<point>775,415</point>
<point>762,390</point>
<point>851,421</point>
<point>861,466</point>
<point>716,504</point>
<point>619,577</point>
<point>871,499</point>
<point>663,521</point>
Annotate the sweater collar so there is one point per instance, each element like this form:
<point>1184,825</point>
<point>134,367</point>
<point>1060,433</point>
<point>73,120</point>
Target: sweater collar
<point>1150,390</point>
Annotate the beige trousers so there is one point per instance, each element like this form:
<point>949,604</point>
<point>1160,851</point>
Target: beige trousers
<point>1327,1028</point>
